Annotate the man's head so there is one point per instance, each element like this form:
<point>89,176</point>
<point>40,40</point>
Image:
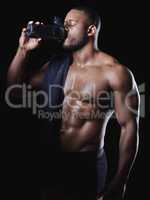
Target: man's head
<point>82,25</point>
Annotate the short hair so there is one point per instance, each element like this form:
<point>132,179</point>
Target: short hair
<point>92,14</point>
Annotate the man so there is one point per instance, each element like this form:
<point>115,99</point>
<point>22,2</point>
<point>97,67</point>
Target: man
<point>92,74</point>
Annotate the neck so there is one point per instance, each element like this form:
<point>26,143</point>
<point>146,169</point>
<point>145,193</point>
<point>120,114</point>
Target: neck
<point>84,55</point>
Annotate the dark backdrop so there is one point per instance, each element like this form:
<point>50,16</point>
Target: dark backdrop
<point>123,35</point>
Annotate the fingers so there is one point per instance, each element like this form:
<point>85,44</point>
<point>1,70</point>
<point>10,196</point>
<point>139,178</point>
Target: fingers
<point>23,33</point>
<point>24,30</point>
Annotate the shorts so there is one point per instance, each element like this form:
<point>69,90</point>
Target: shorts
<point>101,170</point>
<point>74,176</point>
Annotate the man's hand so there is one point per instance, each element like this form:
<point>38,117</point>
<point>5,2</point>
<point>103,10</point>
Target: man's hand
<point>101,198</point>
<point>27,43</point>
<point>115,190</point>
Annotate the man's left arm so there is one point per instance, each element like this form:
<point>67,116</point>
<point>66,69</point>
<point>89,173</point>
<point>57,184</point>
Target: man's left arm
<point>126,106</point>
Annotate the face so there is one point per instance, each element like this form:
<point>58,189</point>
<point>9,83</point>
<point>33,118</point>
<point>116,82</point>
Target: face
<point>76,25</point>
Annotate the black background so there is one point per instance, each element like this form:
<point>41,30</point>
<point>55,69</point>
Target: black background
<point>123,35</point>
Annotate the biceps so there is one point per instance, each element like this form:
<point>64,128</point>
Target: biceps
<point>126,106</point>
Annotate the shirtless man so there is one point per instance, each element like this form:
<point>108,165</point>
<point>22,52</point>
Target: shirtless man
<point>91,75</point>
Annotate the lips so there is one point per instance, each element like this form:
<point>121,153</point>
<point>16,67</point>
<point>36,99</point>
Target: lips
<point>68,38</point>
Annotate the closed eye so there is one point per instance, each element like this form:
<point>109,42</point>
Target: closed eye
<point>70,23</point>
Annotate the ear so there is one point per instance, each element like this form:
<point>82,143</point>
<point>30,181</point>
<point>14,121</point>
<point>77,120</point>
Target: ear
<point>91,30</point>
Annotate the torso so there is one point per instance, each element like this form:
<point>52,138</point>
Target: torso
<point>85,112</point>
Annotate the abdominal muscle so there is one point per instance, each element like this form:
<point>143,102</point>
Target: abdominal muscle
<point>80,132</point>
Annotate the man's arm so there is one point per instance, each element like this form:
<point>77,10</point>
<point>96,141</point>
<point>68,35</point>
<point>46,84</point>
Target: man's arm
<point>126,105</point>
<point>17,67</point>
<point>17,71</point>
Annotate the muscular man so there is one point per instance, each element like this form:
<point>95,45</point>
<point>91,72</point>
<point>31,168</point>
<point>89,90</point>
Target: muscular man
<point>92,75</point>
<point>96,86</point>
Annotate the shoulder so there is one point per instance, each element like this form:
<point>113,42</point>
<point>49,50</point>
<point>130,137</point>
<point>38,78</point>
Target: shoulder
<point>118,75</point>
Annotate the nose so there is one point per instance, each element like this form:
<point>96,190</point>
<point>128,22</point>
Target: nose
<point>66,28</point>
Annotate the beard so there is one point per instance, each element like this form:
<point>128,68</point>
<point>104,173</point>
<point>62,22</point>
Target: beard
<point>77,45</point>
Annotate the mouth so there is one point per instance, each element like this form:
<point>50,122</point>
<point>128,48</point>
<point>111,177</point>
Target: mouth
<point>67,39</point>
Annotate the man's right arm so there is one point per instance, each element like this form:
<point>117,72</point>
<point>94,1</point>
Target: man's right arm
<point>17,67</point>
<point>17,71</point>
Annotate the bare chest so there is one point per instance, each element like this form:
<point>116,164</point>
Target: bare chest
<point>91,81</point>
